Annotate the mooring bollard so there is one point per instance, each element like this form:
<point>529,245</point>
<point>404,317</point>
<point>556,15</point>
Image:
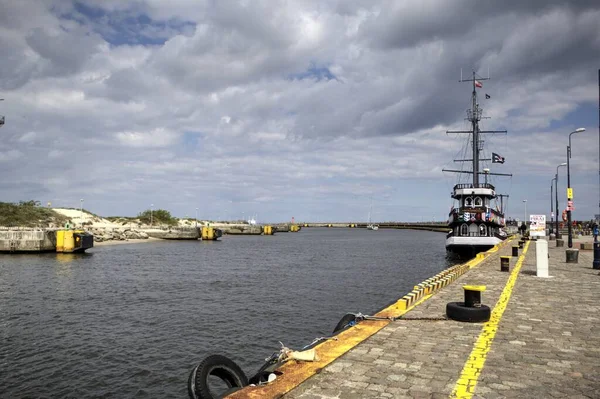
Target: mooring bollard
<point>560,242</point>
<point>515,250</point>
<point>521,243</point>
<point>473,295</point>
<point>572,255</point>
<point>596,262</point>
<point>471,310</point>
<point>505,263</point>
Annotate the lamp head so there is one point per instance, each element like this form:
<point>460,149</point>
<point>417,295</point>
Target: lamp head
<point>524,200</point>
<point>581,129</point>
<point>563,164</point>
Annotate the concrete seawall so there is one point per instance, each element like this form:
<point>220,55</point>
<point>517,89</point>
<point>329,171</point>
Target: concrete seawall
<point>27,240</point>
<point>174,234</point>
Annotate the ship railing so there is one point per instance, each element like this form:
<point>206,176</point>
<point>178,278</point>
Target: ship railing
<point>474,234</point>
<point>474,210</point>
<point>471,185</point>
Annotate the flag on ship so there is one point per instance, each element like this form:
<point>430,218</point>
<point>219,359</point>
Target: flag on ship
<point>478,84</point>
<point>497,158</point>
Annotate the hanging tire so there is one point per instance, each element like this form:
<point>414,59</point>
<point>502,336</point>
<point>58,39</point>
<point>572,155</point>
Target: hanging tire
<point>459,312</point>
<point>215,366</point>
<point>192,383</point>
<point>348,320</point>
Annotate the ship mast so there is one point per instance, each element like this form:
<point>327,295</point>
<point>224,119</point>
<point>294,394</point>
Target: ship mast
<point>475,123</point>
<point>474,116</point>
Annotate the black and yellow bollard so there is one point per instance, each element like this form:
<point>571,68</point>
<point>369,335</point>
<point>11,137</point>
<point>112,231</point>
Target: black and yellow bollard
<point>471,310</point>
<point>473,295</point>
<point>515,250</point>
<point>505,263</point>
<point>521,243</point>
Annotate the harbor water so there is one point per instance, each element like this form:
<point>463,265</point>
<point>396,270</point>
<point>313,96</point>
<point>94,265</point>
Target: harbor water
<point>132,320</point>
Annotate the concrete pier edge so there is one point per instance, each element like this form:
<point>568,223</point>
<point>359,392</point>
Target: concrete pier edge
<point>293,373</point>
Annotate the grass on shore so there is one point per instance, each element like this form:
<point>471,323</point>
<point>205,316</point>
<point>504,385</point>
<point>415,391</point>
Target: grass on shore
<point>29,214</point>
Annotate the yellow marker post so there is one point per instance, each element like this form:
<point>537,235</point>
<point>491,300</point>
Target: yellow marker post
<point>569,192</point>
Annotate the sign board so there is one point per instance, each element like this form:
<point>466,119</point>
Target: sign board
<point>569,193</point>
<point>537,226</point>
<point>570,206</point>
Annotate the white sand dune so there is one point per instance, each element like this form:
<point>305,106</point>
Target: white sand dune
<point>78,217</point>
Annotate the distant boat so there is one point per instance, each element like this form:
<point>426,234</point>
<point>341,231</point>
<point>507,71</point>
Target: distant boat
<point>370,225</point>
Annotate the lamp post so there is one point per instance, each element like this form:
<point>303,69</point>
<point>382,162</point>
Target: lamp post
<point>151,208</point>
<point>552,206</point>
<point>525,219</point>
<point>1,117</point>
<point>196,217</point>
<point>556,194</point>
<point>81,212</point>
<point>569,189</point>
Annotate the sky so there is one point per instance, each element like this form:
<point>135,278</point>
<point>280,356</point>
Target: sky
<point>309,109</point>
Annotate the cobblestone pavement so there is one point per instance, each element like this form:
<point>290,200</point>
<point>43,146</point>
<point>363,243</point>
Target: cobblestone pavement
<point>547,344</point>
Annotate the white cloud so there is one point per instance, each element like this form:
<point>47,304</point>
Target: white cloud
<point>321,104</point>
<point>156,138</point>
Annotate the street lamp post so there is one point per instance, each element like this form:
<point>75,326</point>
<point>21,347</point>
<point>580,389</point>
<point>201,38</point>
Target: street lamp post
<point>1,117</point>
<point>196,217</point>
<point>556,194</point>
<point>81,212</point>
<point>552,206</point>
<point>525,219</point>
<point>569,189</point>
<point>151,208</point>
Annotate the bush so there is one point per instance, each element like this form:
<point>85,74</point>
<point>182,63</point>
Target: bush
<point>159,216</point>
<point>29,214</point>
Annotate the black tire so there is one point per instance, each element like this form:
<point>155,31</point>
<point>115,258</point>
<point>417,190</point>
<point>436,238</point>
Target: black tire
<point>218,366</point>
<point>459,312</point>
<point>348,320</point>
<point>192,383</point>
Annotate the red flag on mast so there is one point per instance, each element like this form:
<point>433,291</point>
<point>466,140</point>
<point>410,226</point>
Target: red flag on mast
<point>478,84</point>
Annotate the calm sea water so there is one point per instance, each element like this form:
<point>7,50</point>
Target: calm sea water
<point>132,320</point>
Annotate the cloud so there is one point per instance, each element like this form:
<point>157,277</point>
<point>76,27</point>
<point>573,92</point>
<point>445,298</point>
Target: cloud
<point>309,107</point>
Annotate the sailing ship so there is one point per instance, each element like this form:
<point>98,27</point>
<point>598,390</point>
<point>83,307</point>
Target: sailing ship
<point>476,223</point>
<point>370,225</point>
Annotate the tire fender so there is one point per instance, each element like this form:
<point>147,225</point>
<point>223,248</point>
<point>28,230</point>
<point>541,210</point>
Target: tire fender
<point>348,320</point>
<point>216,366</point>
<point>459,312</point>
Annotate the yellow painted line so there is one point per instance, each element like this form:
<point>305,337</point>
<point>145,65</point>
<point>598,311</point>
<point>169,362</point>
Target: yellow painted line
<point>293,373</point>
<point>465,386</point>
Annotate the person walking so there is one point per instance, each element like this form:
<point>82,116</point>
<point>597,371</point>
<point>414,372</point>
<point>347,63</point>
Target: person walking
<point>523,229</point>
